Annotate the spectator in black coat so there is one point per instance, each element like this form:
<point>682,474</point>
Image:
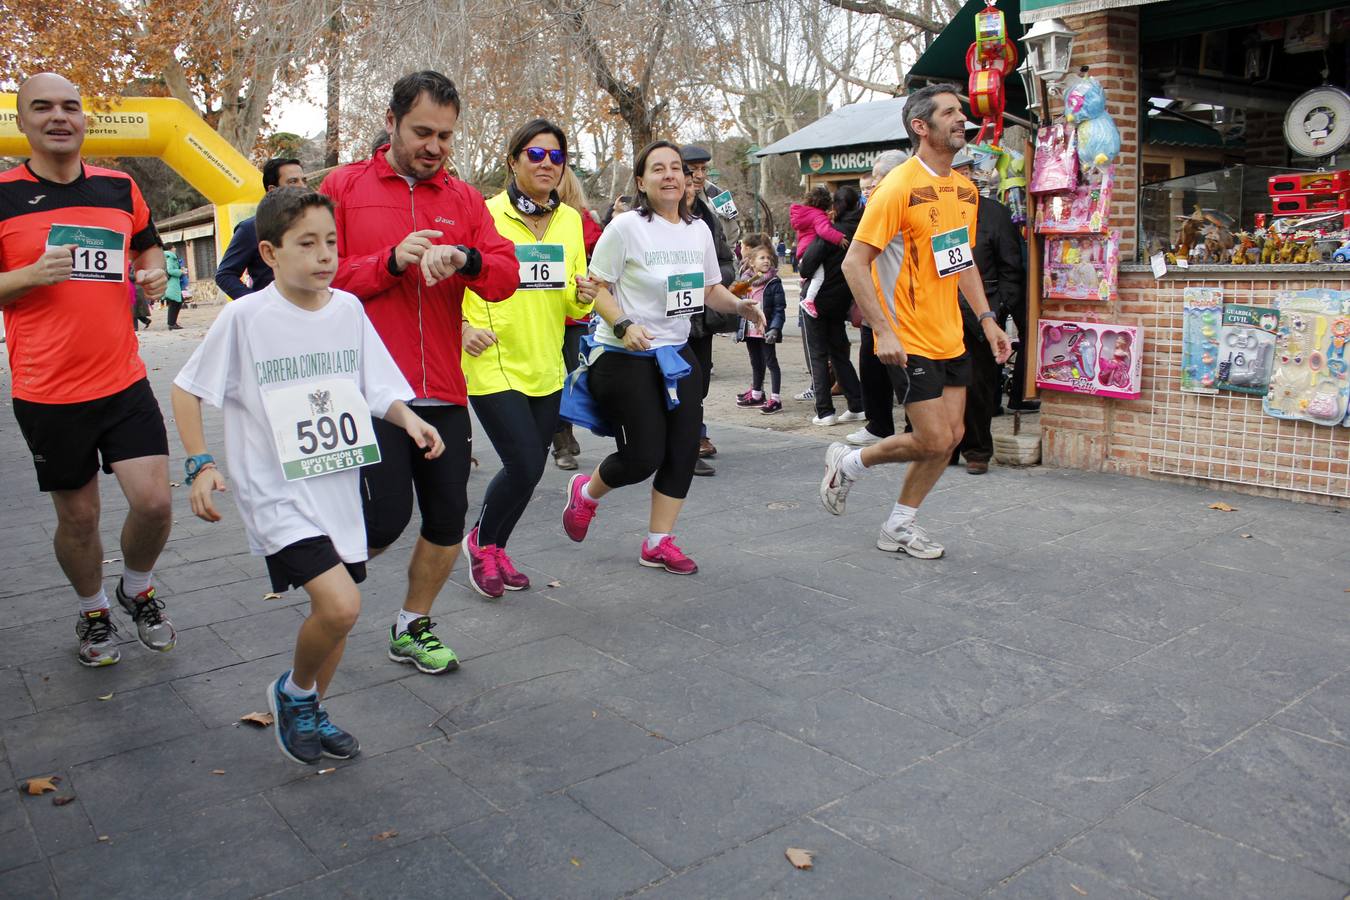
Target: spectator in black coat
<point>998,256</point>
<point>242,255</point>
<point>825,335</point>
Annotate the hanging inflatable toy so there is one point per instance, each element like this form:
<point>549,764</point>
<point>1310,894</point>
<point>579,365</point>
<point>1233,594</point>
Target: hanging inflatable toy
<point>989,61</point>
<point>1098,137</point>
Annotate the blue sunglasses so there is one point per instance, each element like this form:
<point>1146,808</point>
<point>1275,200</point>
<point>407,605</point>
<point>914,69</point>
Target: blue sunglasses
<point>536,155</point>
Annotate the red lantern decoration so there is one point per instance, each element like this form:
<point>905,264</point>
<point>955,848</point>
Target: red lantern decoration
<point>989,60</point>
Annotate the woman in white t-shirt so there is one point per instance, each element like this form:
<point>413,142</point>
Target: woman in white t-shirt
<point>656,266</point>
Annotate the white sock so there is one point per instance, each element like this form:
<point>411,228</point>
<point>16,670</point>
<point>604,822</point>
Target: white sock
<point>852,465</point>
<point>901,517</point>
<point>134,583</point>
<point>406,618</point>
<point>754,394</point>
<point>295,691</point>
<point>94,603</point>
<point>586,492</point>
<point>774,397</point>
<point>654,538</point>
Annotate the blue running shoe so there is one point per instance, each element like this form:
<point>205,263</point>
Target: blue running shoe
<point>297,723</point>
<point>336,743</point>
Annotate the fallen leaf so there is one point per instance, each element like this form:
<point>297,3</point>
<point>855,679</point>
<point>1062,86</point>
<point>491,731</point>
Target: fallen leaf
<point>595,714</point>
<point>799,857</point>
<point>173,484</point>
<point>385,835</point>
<point>1223,507</point>
<point>576,862</point>
<point>105,696</point>
<point>43,785</point>
<point>328,770</point>
<point>1245,535</point>
<point>271,595</point>
<point>1080,891</point>
<point>262,720</point>
<point>555,584</point>
<point>108,562</point>
<point>62,801</point>
<point>217,771</point>
<point>103,838</point>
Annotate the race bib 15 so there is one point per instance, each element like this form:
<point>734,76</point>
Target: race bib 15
<point>684,294</point>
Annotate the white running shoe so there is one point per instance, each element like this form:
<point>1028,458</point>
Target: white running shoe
<point>911,539</point>
<point>831,419</point>
<point>834,486</point>
<point>807,394</point>
<point>849,416</point>
<point>862,438</point>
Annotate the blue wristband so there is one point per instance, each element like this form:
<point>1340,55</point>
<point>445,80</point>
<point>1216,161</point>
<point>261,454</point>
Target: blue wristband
<point>194,464</point>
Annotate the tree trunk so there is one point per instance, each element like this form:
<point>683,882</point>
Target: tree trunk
<point>333,63</point>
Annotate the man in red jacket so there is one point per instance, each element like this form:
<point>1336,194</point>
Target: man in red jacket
<point>410,238</point>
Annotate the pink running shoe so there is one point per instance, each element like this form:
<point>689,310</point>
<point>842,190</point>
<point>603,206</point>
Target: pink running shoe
<point>579,511</point>
<point>667,556</point>
<point>484,574</point>
<point>512,579</point>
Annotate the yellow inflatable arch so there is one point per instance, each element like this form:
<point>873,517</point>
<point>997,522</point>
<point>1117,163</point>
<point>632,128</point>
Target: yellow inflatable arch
<point>166,128</point>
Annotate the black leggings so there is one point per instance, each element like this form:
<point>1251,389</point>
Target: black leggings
<point>631,395</point>
<point>175,307</point>
<point>827,341</point>
<point>442,484</point>
<point>763,355</point>
<point>520,428</point>
<point>878,393</point>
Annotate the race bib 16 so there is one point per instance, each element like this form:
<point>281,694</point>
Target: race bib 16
<point>543,267</point>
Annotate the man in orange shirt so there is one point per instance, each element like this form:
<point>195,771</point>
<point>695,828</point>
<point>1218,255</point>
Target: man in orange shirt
<point>81,397</point>
<point>909,257</point>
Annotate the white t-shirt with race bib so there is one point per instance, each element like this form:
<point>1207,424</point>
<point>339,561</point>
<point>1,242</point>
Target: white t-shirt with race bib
<point>661,273</point>
<point>297,389</point>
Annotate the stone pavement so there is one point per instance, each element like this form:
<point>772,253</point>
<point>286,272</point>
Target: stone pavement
<point>1106,689</point>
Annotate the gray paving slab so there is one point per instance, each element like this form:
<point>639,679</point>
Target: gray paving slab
<point>185,856</point>
<point>959,830</point>
<point>707,796</point>
<point>1164,856</point>
<point>1095,655</point>
<point>405,795</point>
<point>1274,790</point>
<point>760,868</point>
<point>553,849</point>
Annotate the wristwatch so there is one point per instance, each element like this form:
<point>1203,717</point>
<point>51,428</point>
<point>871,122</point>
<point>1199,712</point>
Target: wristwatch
<point>621,327</point>
<point>194,464</point>
<point>987,314</point>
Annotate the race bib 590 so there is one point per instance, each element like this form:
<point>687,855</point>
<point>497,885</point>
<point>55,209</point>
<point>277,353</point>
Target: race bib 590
<point>320,428</point>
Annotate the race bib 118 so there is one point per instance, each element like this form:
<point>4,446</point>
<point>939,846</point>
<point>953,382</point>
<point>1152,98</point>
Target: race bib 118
<point>320,428</point>
<point>100,253</point>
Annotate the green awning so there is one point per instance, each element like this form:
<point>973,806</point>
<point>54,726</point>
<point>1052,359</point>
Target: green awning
<point>945,58</point>
<point>1179,133</point>
<point>1180,18</point>
<point>1038,10</point>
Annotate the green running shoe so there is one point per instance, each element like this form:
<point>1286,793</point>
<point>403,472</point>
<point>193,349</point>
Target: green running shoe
<point>423,649</point>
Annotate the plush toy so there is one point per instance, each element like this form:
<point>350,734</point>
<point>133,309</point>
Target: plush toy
<point>1098,137</point>
<point>1012,170</point>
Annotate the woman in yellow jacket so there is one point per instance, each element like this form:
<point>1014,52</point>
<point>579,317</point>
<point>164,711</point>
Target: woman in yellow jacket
<point>511,357</point>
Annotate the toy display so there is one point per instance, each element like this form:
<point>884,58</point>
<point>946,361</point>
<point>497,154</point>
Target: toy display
<point>1247,348</point>
<point>1098,137</point>
<point>1084,210</point>
<point>1201,319</point>
<point>1055,167</point>
<point>1301,193</point>
<point>989,61</point>
<point>1310,381</point>
<point>1012,187</point>
<point>1082,268</point>
<point>1091,358</point>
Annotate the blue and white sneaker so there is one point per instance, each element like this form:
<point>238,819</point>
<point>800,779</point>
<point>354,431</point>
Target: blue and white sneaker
<point>296,723</point>
<point>336,743</point>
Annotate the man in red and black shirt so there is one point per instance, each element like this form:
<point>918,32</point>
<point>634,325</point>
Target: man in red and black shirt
<point>67,234</point>
<point>411,237</point>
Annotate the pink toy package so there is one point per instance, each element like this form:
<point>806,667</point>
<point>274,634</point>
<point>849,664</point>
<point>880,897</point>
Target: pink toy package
<point>1055,165</point>
<point>1099,359</point>
<point>1081,268</point>
<point>1084,210</point>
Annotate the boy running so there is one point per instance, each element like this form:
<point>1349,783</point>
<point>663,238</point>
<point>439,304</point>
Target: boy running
<point>299,371</point>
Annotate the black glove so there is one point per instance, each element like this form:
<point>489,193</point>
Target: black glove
<point>773,336</point>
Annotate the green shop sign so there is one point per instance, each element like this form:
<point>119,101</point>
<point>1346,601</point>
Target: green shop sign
<point>835,162</point>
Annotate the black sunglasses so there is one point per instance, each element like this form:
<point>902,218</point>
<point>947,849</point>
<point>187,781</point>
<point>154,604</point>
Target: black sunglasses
<point>536,155</point>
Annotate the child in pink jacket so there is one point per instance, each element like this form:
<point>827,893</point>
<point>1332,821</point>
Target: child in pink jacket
<point>811,220</point>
